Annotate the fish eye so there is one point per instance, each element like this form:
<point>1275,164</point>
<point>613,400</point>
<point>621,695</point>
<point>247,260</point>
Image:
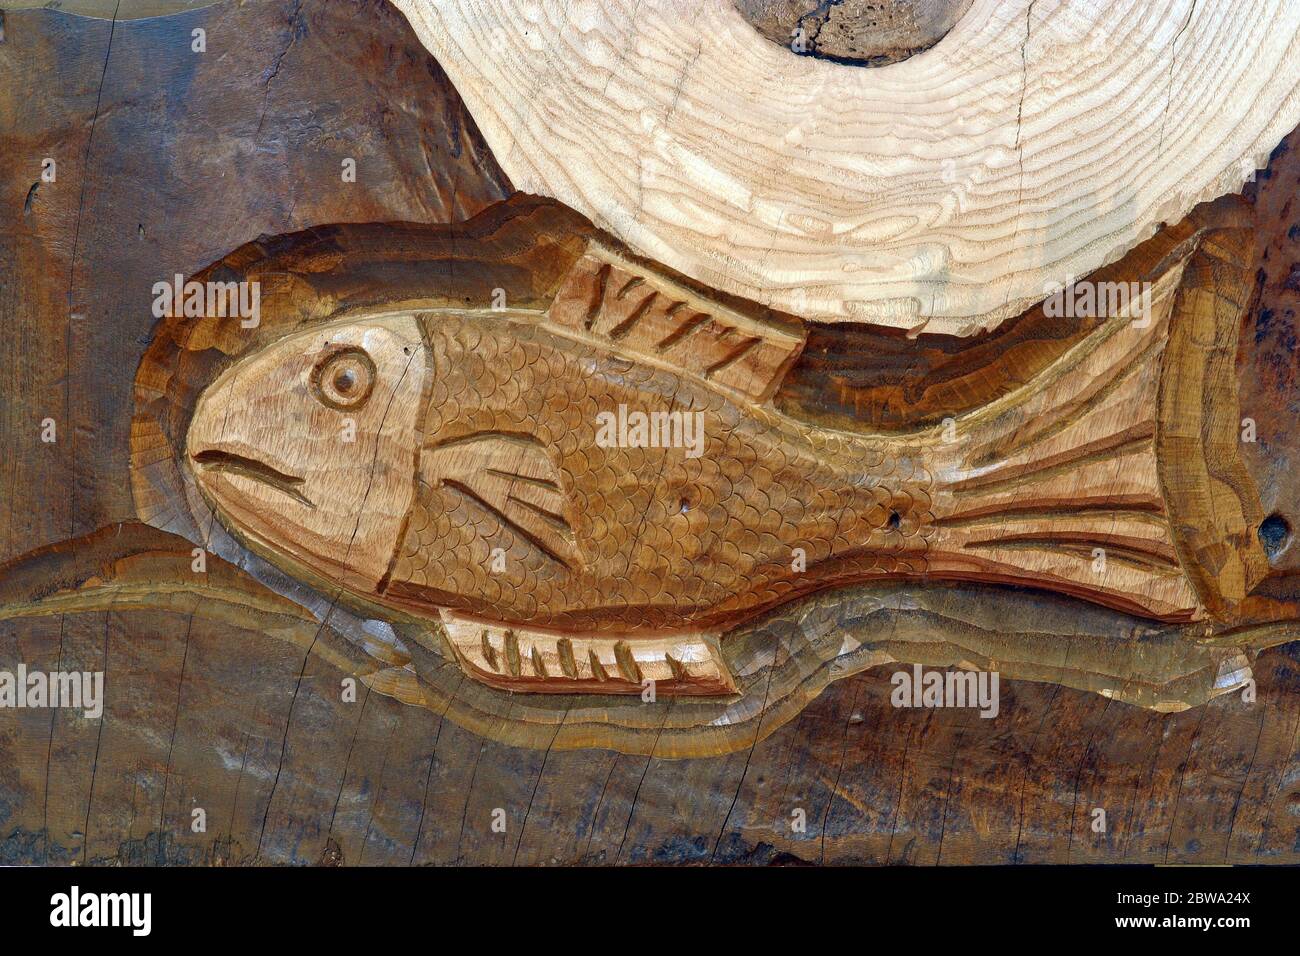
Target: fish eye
<point>344,379</point>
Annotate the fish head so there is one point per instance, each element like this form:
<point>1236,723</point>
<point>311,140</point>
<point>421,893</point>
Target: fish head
<point>308,448</point>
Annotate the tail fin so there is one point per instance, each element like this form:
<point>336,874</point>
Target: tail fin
<point>1114,474</point>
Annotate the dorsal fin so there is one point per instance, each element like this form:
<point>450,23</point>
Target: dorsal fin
<point>638,309</point>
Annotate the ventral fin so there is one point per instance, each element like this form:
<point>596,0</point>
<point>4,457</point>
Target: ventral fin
<point>513,477</point>
<point>530,661</point>
<point>637,308</point>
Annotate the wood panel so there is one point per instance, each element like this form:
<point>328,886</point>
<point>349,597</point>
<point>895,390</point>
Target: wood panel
<point>247,721</point>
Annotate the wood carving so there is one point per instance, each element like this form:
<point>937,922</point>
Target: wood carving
<point>761,373</point>
<point>476,467</point>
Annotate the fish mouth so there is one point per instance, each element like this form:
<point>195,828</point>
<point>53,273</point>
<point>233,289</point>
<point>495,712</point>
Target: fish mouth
<point>220,460</point>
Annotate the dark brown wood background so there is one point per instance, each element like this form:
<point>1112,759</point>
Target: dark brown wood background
<point>167,160</point>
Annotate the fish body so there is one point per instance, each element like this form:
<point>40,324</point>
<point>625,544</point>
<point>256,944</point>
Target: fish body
<point>595,536</point>
<point>587,496</point>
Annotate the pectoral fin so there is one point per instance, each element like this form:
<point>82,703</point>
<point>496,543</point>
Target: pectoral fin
<point>512,477</point>
<point>519,659</point>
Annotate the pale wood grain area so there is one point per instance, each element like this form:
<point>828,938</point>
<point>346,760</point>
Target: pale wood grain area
<point>1035,142</point>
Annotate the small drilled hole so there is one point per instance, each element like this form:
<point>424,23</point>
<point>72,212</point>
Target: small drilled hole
<point>1274,534</point>
<point>894,520</point>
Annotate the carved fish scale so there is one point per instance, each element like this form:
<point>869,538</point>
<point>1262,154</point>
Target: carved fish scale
<point>617,538</point>
<point>561,562</point>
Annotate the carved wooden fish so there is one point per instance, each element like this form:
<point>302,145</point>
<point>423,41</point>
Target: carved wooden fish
<point>534,479</point>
